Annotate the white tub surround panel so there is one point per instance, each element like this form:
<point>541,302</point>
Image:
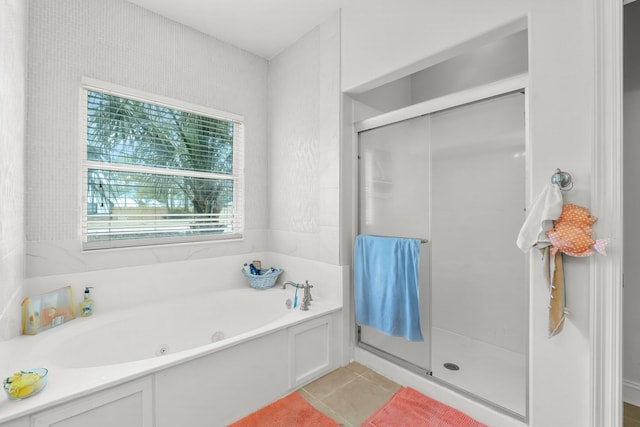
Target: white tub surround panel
<point>213,383</point>
<point>13,69</point>
<point>228,381</point>
<point>129,405</point>
<point>121,43</point>
<point>327,279</point>
<point>304,117</point>
<point>61,257</point>
<point>119,288</point>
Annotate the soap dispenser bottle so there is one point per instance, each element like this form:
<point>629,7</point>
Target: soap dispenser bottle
<point>86,306</point>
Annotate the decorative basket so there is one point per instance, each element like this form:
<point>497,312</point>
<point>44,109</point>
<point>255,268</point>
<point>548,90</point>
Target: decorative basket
<point>265,280</point>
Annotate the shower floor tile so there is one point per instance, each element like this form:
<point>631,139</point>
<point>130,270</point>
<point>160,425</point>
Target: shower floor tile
<point>488,371</point>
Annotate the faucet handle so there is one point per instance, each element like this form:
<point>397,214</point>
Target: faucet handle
<point>307,290</point>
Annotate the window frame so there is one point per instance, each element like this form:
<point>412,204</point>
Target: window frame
<point>237,176</point>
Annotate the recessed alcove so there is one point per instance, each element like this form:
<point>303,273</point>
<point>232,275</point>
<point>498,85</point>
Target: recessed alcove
<point>405,131</point>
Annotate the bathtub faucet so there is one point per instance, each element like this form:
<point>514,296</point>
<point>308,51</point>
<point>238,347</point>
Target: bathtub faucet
<point>306,297</point>
<point>290,283</point>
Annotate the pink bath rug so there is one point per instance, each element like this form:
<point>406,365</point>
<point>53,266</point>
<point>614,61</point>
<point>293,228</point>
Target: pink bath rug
<point>409,408</point>
<point>290,411</point>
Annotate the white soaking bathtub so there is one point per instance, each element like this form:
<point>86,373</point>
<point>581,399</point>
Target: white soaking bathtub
<point>223,339</point>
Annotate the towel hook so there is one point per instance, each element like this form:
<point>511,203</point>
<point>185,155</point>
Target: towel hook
<point>563,179</point>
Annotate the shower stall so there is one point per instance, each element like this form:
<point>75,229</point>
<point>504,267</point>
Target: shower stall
<point>452,173</point>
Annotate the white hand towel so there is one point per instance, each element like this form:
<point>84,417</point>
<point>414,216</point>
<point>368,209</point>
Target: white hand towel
<point>540,216</point>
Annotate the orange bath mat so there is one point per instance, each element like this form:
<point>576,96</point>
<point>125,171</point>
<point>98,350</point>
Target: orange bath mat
<point>408,408</point>
<point>290,411</point>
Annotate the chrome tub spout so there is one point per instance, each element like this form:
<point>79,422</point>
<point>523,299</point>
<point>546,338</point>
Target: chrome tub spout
<point>290,283</point>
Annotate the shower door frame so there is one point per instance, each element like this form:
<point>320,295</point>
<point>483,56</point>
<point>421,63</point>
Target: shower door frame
<point>518,83</point>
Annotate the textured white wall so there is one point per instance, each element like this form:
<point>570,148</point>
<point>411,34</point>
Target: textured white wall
<point>304,118</point>
<point>121,43</point>
<point>13,68</point>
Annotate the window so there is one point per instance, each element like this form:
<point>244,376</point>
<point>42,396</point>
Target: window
<point>157,171</point>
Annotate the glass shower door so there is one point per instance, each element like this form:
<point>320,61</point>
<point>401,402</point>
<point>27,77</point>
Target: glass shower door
<point>456,177</point>
<point>394,201</point>
<point>479,278</point>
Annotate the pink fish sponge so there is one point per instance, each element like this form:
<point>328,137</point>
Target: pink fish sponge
<point>571,233</point>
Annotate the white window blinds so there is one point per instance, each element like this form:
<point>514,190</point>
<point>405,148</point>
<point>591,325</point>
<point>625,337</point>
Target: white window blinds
<point>158,172</point>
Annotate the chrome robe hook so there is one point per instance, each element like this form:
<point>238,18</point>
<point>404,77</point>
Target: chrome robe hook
<point>563,179</point>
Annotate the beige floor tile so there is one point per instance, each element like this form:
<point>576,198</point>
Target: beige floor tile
<point>357,400</point>
<point>307,396</point>
<point>329,412</point>
<point>325,409</point>
<point>383,382</point>
<point>322,387</point>
<point>357,368</point>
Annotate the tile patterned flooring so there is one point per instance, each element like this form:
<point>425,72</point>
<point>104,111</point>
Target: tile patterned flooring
<point>349,395</point>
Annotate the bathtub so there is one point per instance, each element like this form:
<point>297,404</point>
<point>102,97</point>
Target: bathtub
<point>223,339</point>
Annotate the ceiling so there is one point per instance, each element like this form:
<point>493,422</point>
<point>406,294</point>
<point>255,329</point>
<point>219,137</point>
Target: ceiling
<point>263,27</point>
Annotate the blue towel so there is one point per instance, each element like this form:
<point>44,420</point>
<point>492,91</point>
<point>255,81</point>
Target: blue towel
<point>386,285</point>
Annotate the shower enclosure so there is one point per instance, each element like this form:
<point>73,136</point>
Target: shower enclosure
<point>455,178</point>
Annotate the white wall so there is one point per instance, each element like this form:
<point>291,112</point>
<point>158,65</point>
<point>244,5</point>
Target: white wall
<point>561,107</point>
<point>13,69</point>
<point>561,59</point>
<point>388,97</point>
<point>304,125</point>
<point>631,350</point>
<point>121,43</point>
<point>496,60</point>
<point>385,40</point>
